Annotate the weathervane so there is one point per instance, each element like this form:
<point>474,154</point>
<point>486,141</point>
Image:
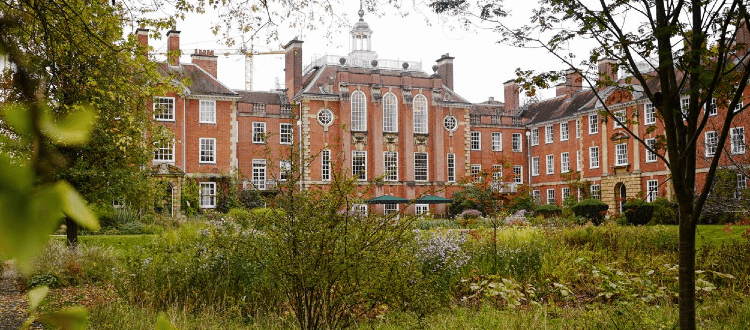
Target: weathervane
<point>361,12</point>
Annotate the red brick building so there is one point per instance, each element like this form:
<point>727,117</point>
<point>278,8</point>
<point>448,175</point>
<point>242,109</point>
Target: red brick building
<point>388,121</point>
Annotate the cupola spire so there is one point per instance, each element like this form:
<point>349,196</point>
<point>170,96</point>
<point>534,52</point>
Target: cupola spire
<point>361,48</point>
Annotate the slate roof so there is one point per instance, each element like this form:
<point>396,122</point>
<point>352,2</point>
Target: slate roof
<point>201,82</point>
<point>560,107</point>
<point>271,97</point>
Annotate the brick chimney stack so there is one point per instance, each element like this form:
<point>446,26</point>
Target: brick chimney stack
<point>607,71</point>
<point>742,41</point>
<point>573,83</point>
<point>445,70</point>
<point>510,94</point>
<point>142,35</point>
<point>205,59</point>
<point>293,67</point>
<point>173,47</point>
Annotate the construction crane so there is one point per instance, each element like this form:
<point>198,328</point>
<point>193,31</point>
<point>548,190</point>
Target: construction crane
<point>249,64</point>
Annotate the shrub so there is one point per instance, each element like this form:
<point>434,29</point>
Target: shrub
<point>44,279</point>
<point>548,210</point>
<point>664,212</point>
<point>638,212</point>
<point>242,217</point>
<point>190,197</point>
<point>592,209</point>
<point>470,214</point>
<point>132,228</point>
<point>88,264</point>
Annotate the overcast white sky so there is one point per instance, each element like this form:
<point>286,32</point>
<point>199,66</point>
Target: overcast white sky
<point>481,65</point>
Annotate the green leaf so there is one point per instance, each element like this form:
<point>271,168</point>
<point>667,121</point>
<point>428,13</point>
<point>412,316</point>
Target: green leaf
<point>74,129</point>
<point>75,207</point>
<point>36,296</point>
<point>71,318</point>
<point>15,175</point>
<point>17,116</point>
<point>27,221</point>
<point>162,323</point>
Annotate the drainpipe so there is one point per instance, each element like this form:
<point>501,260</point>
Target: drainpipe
<point>184,141</point>
<point>528,158</point>
<point>301,145</point>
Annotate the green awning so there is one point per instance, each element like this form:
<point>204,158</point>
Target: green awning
<point>387,199</point>
<point>431,199</point>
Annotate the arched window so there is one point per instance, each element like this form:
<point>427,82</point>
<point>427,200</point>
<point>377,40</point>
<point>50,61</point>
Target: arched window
<point>390,113</point>
<point>420,114</point>
<point>359,111</point>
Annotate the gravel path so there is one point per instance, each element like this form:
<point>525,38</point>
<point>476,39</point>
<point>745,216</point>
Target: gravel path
<point>12,299</point>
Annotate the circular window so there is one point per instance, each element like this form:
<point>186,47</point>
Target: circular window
<point>325,117</point>
<point>450,123</point>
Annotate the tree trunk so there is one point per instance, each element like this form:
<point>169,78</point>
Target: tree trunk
<point>687,272</point>
<point>71,233</point>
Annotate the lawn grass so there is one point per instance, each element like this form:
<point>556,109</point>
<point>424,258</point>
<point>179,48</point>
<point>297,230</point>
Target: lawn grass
<point>718,234</point>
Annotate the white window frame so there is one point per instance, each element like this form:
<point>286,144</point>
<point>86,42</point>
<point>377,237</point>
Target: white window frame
<point>684,105</point>
<point>476,140</point>
<point>593,124</point>
<point>550,165</point>
<point>535,166</point>
<point>390,166</point>
<point>516,142</point>
<point>618,115</point>
<point>551,196</point>
<point>713,109</point>
<point>650,156</point>
<point>518,174</point>
<point>390,113</point>
<point>711,139</point>
<point>208,195</point>
<point>737,137</point>
<point>741,185</point>
<point>536,195</point>
<point>207,110</point>
<point>421,171</point>
<point>390,209</point>
<point>359,111</point>
<point>596,191</point>
<point>450,160</point>
<point>259,174</point>
<point>497,141</point>
<point>163,154</point>
<point>259,132</point>
<point>621,154</point>
<point>286,134</point>
<point>360,209</point>
<point>593,157</point>
<point>207,151</point>
<point>549,134</point>
<point>535,136</point>
<point>163,103</point>
<point>285,169</point>
<point>652,190</point>
<point>564,132</point>
<point>564,193</point>
<point>475,170</point>
<point>578,128</point>
<point>325,165</point>
<point>579,160</point>
<point>359,170</point>
<point>649,114</point>
<point>565,162</point>
<point>420,209</point>
<point>497,172</point>
<point>419,106</point>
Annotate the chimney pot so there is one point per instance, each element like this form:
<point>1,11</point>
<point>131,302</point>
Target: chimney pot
<point>173,47</point>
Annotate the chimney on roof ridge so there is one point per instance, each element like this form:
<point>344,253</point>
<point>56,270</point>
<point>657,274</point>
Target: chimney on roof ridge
<point>206,60</point>
<point>445,70</point>
<point>607,72</point>
<point>142,35</point>
<point>510,93</point>
<point>573,83</point>
<point>173,47</point>
<point>293,67</point>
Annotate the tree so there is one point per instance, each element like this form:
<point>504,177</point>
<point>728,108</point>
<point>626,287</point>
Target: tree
<point>76,53</point>
<point>693,48</point>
